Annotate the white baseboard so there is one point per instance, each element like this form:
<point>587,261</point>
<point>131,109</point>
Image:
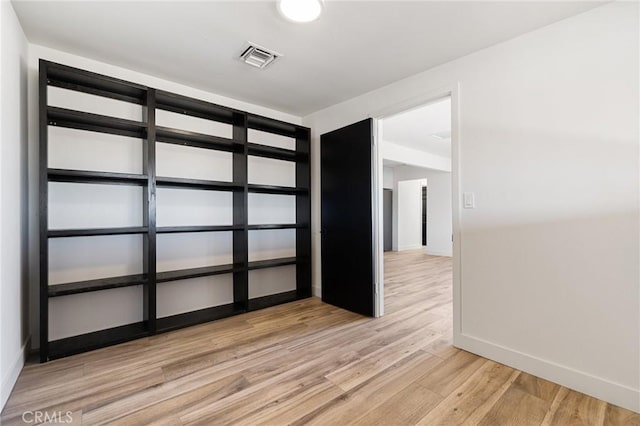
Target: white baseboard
<point>446,253</point>
<point>10,378</point>
<point>412,247</point>
<point>316,291</point>
<point>597,387</point>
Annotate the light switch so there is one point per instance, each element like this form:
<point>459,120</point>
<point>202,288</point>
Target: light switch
<point>469,200</point>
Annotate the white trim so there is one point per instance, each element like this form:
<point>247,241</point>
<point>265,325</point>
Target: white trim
<point>378,223</point>
<point>9,380</point>
<point>580,381</point>
<point>456,191</point>
<point>316,290</point>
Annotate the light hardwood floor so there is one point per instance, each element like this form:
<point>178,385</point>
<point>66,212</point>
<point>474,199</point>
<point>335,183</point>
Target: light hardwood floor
<point>309,363</point>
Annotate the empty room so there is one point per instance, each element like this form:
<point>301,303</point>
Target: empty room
<point>325,212</point>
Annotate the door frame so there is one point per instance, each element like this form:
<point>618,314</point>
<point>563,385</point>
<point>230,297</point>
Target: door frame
<point>453,91</point>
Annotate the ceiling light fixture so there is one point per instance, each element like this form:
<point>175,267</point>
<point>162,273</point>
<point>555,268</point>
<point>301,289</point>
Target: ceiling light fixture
<point>300,10</point>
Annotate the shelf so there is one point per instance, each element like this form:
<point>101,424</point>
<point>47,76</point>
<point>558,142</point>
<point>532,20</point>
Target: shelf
<point>212,228</point>
<point>272,189</point>
<point>273,152</point>
<point>96,84</point>
<point>210,185</point>
<point>278,226</point>
<point>66,289</point>
<point>271,125</point>
<point>155,102</point>
<point>95,340</point>
<point>183,274</point>
<point>88,176</point>
<point>196,140</point>
<point>187,319</point>
<point>272,263</point>
<point>94,122</point>
<point>90,232</point>
<point>194,107</point>
<point>272,300</point>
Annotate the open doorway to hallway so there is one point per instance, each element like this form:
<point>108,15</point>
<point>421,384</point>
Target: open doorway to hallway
<point>415,146</point>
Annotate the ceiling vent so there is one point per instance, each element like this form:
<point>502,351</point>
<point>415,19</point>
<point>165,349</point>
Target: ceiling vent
<point>258,56</point>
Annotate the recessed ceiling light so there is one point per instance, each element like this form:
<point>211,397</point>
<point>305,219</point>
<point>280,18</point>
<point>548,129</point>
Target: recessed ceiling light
<point>300,10</point>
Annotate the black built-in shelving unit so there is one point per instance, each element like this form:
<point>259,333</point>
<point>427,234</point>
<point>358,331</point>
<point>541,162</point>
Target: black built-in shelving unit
<point>53,74</point>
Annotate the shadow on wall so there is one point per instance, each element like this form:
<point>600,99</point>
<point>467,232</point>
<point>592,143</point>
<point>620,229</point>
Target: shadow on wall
<point>521,274</point>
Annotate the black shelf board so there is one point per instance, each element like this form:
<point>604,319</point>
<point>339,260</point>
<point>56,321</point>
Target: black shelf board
<point>271,125</point>
<point>94,122</point>
<point>144,128</point>
<point>89,176</point>
<point>90,232</point>
<point>275,226</point>
<point>200,316</point>
<point>194,107</point>
<point>183,274</point>
<point>272,300</point>
<point>271,189</point>
<point>272,263</point>
<point>206,228</point>
<point>210,185</point>
<point>96,84</point>
<point>266,151</point>
<point>196,140</point>
<point>95,340</point>
<point>66,289</point>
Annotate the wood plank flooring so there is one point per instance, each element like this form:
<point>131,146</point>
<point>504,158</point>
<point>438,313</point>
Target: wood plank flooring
<point>309,363</point>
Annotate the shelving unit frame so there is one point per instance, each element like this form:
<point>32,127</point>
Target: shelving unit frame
<point>57,75</point>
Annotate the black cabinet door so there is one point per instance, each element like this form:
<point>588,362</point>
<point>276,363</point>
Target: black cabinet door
<point>347,219</point>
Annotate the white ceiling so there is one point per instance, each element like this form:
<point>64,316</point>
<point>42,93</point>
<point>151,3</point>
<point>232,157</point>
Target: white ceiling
<point>355,46</point>
<point>391,163</point>
<point>415,128</point>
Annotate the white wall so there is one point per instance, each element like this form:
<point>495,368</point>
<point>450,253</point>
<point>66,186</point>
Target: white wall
<point>387,178</point>
<point>74,205</point>
<point>405,155</point>
<point>549,145</point>
<point>439,214</point>
<point>13,200</point>
<point>409,214</point>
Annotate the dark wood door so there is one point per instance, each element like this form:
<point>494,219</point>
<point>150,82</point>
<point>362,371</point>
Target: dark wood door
<point>346,157</point>
<point>424,215</point>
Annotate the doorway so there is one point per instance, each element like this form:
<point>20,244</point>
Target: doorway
<point>410,153</point>
<point>424,216</point>
<point>373,156</point>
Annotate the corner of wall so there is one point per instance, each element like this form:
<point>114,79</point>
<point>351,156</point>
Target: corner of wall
<point>11,376</point>
<point>580,381</point>
<point>13,224</point>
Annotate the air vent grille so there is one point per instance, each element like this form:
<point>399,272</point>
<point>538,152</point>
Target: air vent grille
<point>258,56</point>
